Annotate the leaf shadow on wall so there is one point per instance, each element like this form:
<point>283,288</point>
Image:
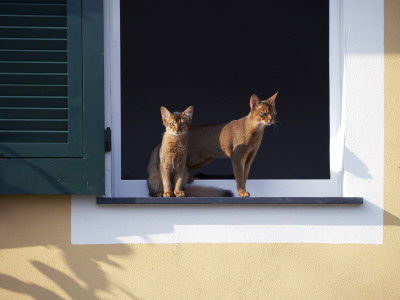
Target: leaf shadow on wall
<point>31,289</point>
<point>43,223</point>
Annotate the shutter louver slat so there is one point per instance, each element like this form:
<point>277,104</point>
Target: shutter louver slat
<point>33,43</point>
<point>33,113</point>
<point>33,55</point>
<point>34,32</point>
<point>34,101</point>
<point>32,20</point>
<point>34,85</point>
<point>31,136</point>
<point>33,78</point>
<point>33,90</point>
<point>32,67</point>
<point>44,124</point>
<point>33,9</point>
<point>34,1</point>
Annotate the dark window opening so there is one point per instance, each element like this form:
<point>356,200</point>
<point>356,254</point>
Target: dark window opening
<point>214,55</point>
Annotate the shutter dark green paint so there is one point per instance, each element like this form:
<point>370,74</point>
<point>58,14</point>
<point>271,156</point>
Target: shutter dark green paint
<point>50,106</point>
<point>40,78</point>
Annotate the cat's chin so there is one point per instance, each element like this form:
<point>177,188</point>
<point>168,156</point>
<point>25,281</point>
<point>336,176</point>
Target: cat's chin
<point>175,133</point>
<point>268,123</point>
<point>262,123</point>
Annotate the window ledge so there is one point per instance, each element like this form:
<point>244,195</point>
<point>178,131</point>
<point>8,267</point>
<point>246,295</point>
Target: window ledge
<point>231,200</point>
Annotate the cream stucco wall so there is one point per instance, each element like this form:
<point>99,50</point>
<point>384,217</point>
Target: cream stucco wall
<point>37,260</point>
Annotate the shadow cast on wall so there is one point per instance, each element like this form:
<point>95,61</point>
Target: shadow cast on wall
<point>44,221</point>
<point>355,165</point>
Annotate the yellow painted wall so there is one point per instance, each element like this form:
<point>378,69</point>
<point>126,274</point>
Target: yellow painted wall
<point>37,260</point>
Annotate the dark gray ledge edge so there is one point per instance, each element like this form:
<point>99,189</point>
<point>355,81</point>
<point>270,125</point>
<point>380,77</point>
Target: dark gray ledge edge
<point>229,200</point>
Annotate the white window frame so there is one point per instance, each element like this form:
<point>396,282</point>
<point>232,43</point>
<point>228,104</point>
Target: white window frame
<point>116,187</point>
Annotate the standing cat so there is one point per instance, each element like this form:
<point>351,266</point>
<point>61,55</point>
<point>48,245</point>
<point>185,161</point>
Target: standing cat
<point>239,140</point>
<point>167,167</point>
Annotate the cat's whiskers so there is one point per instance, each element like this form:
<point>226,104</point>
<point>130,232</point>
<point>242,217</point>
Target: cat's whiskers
<point>276,129</point>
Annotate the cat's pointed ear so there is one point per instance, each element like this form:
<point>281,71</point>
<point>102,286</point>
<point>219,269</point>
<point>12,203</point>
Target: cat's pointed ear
<point>188,113</point>
<point>164,113</point>
<point>254,101</point>
<point>271,100</point>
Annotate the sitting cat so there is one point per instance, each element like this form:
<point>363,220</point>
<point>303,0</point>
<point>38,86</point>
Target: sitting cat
<point>173,151</point>
<point>167,167</point>
<point>239,140</point>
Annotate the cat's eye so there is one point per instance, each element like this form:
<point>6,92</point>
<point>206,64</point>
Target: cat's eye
<point>263,114</point>
<point>171,124</point>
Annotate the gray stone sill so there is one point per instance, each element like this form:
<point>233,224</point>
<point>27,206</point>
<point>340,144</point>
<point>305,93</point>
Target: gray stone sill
<point>231,200</point>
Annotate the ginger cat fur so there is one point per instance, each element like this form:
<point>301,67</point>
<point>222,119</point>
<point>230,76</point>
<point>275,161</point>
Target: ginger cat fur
<point>167,167</point>
<point>238,140</point>
<point>173,151</point>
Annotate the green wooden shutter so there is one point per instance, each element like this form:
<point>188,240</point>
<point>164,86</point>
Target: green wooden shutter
<point>40,78</point>
<point>51,97</point>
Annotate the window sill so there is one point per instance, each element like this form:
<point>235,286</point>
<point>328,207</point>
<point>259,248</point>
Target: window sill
<point>232,200</point>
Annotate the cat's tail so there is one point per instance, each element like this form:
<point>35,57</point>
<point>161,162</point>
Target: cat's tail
<point>206,191</point>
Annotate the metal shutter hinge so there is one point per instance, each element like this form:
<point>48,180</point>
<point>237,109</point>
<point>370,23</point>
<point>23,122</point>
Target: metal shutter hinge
<point>107,139</point>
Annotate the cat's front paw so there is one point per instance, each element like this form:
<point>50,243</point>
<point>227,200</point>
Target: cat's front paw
<point>243,193</point>
<point>179,193</point>
<point>168,194</point>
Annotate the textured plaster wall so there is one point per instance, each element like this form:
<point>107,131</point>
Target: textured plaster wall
<point>37,260</point>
